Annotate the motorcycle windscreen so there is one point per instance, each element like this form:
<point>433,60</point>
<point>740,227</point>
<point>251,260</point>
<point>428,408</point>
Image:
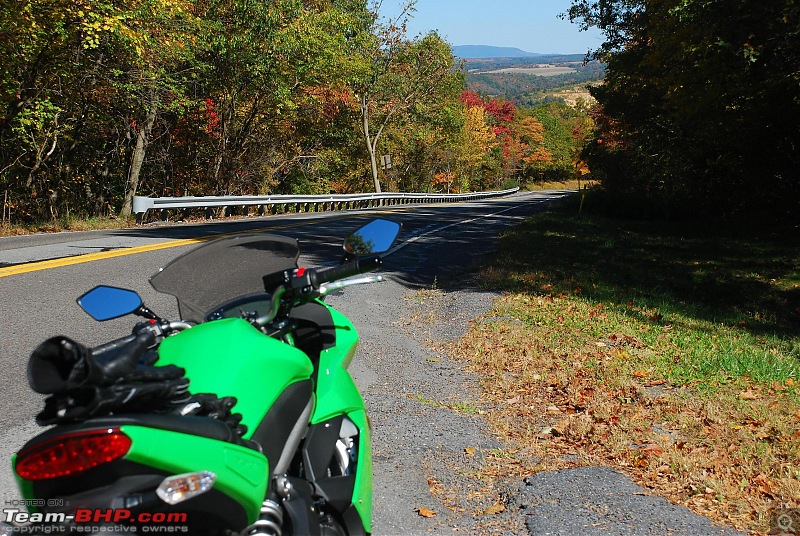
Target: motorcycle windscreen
<point>224,269</point>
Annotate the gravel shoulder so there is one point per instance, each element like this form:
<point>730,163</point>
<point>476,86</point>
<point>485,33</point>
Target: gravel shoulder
<point>433,451</point>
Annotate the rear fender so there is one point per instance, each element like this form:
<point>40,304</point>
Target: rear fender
<point>242,473</point>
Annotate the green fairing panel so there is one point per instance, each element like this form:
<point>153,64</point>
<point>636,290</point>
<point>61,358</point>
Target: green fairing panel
<point>242,473</point>
<point>230,357</point>
<point>362,493</point>
<point>337,394</point>
<point>336,391</point>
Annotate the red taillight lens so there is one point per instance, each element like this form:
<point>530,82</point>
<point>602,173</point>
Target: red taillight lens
<point>70,454</point>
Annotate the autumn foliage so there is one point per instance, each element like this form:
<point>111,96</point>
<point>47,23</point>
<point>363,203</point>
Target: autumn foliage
<point>102,101</point>
<point>700,107</point>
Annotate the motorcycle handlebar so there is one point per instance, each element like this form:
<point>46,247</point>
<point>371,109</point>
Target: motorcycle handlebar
<point>115,344</point>
<point>152,332</point>
<point>320,277</point>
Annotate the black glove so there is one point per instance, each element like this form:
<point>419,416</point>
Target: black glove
<point>210,405</point>
<point>94,401</point>
<point>60,364</point>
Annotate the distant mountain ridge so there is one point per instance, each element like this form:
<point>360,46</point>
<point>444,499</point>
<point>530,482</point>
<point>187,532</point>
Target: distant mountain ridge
<point>486,51</point>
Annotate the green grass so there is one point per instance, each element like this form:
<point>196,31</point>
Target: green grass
<point>716,302</point>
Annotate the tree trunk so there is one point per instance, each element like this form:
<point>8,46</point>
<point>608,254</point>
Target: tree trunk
<point>371,144</point>
<point>139,151</point>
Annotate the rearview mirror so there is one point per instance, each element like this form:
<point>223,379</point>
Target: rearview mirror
<point>375,237</point>
<point>104,303</point>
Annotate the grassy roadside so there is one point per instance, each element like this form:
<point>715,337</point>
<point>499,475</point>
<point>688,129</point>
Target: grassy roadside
<point>71,224</point>
<point>669,351</point>
<point>558,185</point>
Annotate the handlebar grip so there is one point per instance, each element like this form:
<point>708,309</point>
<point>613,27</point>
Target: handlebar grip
<point>346,270</point>
<point>113,345</point>
<point>124,341</point>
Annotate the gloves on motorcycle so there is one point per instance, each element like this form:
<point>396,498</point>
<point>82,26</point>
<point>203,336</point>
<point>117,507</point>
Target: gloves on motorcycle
<point>60,364</point>
<point>114,378</point>
<point>94,401</point>
<point>210,405</point>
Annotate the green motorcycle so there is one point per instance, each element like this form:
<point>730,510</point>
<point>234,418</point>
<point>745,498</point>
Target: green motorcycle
<point>240,418</point>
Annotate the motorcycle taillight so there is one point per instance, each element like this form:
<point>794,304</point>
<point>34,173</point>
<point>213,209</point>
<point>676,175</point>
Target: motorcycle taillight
<point>72,453</point>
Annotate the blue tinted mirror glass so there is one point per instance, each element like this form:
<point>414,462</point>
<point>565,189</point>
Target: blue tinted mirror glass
<point>104,303</point>
<point>375,237</point>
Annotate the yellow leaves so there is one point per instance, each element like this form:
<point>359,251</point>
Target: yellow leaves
<point>496,508</point>
<point>425,512</point>
<point>470,451</point>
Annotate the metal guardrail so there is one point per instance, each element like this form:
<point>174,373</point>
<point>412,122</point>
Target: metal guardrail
<point>300,203</point>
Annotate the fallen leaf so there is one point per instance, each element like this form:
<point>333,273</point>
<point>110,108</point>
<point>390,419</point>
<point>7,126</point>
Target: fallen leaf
<point>655,382</point>
<point>652,450</point>
<point>790,382</point>
<point>547,431</point>
<point>425,512</point>
<point>496,508</point>
<point>763,484</point>
<point>513,400</point>
<point>748,395</point>
<point>640,374</point>
<point>470,451</point>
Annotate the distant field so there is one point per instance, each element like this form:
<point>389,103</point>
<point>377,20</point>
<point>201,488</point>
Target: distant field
<point>534,70</point>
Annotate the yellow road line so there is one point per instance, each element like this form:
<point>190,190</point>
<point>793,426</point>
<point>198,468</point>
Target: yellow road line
<point>90,257</point>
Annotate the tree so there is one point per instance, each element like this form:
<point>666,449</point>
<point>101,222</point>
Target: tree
<point>70,79</point>
<point>476,147</point>
<point>716,131</point>
<point>399,74</point>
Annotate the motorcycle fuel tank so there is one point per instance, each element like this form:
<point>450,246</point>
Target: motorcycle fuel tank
<point>230,357</point>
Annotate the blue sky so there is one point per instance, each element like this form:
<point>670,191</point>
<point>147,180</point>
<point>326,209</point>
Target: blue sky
<point>532,25</point>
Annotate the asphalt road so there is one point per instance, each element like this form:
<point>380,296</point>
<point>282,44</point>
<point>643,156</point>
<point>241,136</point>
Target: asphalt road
<point>415,442</point>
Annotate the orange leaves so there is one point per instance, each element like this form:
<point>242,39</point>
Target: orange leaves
<point>444,178</point>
